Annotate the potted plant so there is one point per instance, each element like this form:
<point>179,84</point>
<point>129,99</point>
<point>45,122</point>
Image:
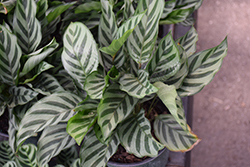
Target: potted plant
<point>104,92</point>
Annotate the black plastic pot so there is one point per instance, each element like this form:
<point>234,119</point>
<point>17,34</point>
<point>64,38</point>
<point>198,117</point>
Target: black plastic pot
<point>160,161</point>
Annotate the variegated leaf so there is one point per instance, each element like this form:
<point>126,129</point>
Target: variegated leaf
<point>38,56</point>
<point>6,153</point>
<point>165,62</point>
<point>88,6</point>
<point>42,6</point>
<point>6,6</point>
<point>168,8</point>
<point>95,154</point>
<point>76,163</point>
<point>10,54</point>
<point>28,31</point>
<point>67,156</point>
<point>178,78</point>
<point>141,41</point>
<point>138,87</point>
<point>171,134</point>
<point>65,80</point>
<point>80,54</point>
<point>188,41</point>
<point>202,68</point>
<point>27,156</point>
<point>53,140</point>
<point>12,130</point>
<point>135,136</point>
<point>128,8</point>
<point>48,111</point>
<point>10,164</point>
<point>79,124</point>
<point>20,95</point>
<point>115,106</point>
<point>94,85</point>
<point>87,104</point>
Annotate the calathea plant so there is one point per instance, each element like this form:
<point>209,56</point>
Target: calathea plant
<point>114,73</point>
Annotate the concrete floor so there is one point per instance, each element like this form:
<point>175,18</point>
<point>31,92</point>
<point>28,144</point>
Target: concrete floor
<point>221,113</point>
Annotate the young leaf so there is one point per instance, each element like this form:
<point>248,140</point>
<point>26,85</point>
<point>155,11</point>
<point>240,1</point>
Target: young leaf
<point>141,41</point>
<point>53,140</point>
<point>166,61</point>
<point>5,152</point>
<point>171,134</point>
<point>138,87</point>
<point>95,154</point>
<point>10,54</point>
<point>28,31</point>
<point>202,68</point>
<point>10,164</point>
<point>115,106</point>
<point>80,54</point>
<point>135,136</point>
<point>79,124</point>
<point>47,112</point>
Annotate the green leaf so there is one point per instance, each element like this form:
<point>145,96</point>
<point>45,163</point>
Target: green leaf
<point>177,16</point>
<point>188,41</point>
<point>135,136</point>
<point>58,10</point>
<point>20,95</point>
<point>138,87</point>
<point>178,78</point>
<point>28,31</point>
<point>27,156</point>
<point>76,163</point>
<point>80,54</point>
<point>142,40</point>
<point>171,134</point>
<point>42,7</point>
<point>168,8</point>
<point>48,111</point>
<point>166,61</point>
<point>43,66</point>
<point>88,6</point>
<point>79,124</point>
<point>10,164</point>
<point>68,156</point>
<point>5,152</point>
<point>94,85</point>
<point>168,95</point>
<point>202,68</point>
<point>53,140</point>
<point>87,104</point>
<point>115,106</point>
<point>38,56</point>
<point>95,154</point>
<point>7,6</point>
<point>10,54</point>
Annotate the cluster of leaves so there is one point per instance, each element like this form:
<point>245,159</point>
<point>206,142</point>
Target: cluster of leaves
<point>90,89</point>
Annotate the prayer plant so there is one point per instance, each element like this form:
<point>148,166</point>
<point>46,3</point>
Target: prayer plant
<point>111,66</point>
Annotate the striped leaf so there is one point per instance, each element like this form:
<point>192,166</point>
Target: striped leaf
<point>94,85</point>
<point>188,41</point>
<point>202,68</point>
<point>168,95</point>
<point>95,154</point>
<point>20,95</point>
<point>10,54</point>
<point>67,156</point>
<point>12,130</point>
<point>88,6</point>
<point>182,3</point>
<point>177,16</point>
<point>53,140</point>
<point>5,152</point>
<point>6,6</point>
<point>135,136</point>
<point>48,111</point>
<point>10,164</point>
<point>46,84</point>
<point>87,104</point>
<point>2,108</point>
<point>168,8</point>
<point>42,6</point>
<point>178,78</point>
<point>138,87</point>
<point>28,31</point>
<point>65,80</point>
<point>166,61</point>
<point>27,156</point>
<point>115,106</point>
<point>76,163</point>
<point>128,9</point>
<point>79,124</point>
<point>80,54</point>
<point>171,134</point>
<point>141,41</point>
<point>38,56</point>
<point>190,21</point>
